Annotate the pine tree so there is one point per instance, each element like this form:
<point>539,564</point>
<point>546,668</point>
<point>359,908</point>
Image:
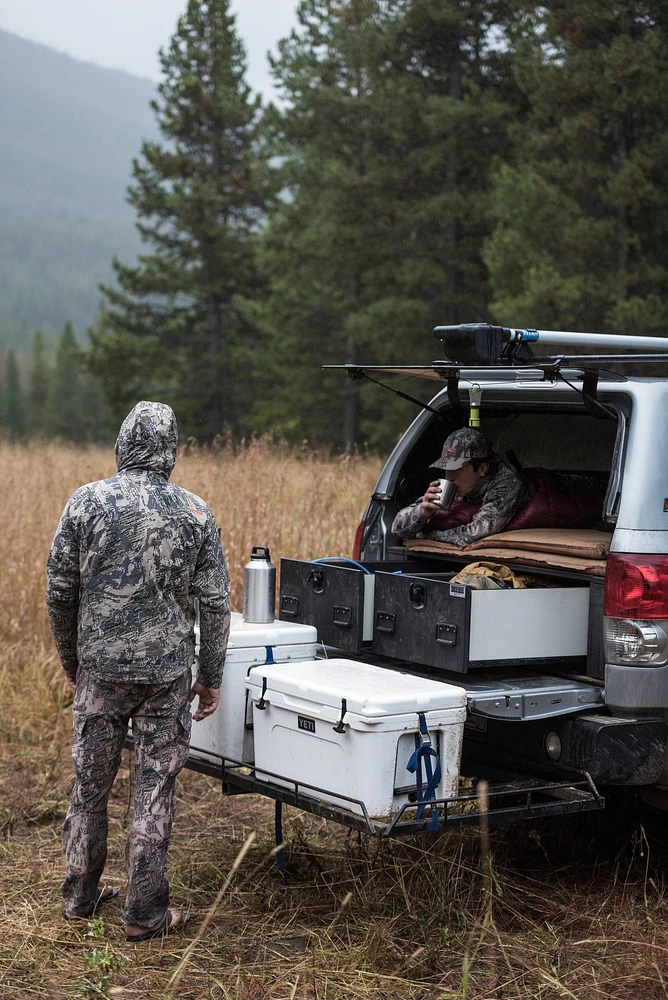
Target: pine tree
<point>64,416</point>
<point>14,401</point>
<point>39,385</point>
<point>395,110</point>
<point>324,237</point>
<point>99,423</point>
<point>458,80</point>
<point>582,215</point>
<point>174,327</point>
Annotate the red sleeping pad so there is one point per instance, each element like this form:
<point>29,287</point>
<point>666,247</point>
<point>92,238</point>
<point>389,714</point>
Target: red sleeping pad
<point>561,500</point>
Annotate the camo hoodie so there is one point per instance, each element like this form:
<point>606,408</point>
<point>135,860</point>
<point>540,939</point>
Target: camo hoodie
<point>129,555</point>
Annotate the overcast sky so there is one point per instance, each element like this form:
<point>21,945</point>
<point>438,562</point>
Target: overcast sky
<point>126,34</point>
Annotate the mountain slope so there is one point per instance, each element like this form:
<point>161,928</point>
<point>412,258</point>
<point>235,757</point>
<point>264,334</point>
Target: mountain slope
<point>68,133</point>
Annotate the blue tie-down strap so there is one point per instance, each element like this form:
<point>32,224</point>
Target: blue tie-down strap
<point>343,559</point>
<point>424,751</point>
<point>270,655</point>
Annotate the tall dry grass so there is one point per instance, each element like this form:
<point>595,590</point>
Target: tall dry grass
<point>300,504</point>
<point>349,917</point>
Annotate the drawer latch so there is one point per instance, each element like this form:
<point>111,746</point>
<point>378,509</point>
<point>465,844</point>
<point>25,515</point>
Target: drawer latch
<point>318,581</point>
<point>418,595</point>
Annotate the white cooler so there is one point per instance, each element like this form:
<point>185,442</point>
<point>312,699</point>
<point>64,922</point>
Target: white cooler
<point>299,735</point>
<point>229,731</point>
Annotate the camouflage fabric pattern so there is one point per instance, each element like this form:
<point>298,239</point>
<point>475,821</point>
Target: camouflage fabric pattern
<point>129,555</point>
<point>460,447</point>
<point>501,494</point>
<point>161,723</point>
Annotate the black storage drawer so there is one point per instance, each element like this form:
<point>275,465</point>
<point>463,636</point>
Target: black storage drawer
<point>426,619</point>
<point>423,619</point>
<point>330,596</point>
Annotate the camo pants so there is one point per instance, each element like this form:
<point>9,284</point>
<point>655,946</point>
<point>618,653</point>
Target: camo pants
<point>161,727</point>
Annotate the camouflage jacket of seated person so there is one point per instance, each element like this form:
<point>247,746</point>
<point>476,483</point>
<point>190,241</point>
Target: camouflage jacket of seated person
<point>501,494</point>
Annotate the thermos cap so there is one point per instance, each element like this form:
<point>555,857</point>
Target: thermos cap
<point>260,552</point>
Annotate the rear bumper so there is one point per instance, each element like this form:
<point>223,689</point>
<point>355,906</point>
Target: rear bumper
<point>615,751</point>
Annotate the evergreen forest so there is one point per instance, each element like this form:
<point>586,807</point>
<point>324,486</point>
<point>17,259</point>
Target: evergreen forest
<point>427,162</point>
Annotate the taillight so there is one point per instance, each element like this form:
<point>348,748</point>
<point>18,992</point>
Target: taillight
<point>633,642</point>
<point>357,544</point>
<point>635,606</point>
<point>636,586</point>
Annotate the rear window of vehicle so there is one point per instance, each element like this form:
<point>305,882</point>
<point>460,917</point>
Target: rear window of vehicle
<point>556,440</point>
<point>567,442</point>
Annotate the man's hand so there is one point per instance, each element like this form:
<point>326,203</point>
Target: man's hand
<point>428,507</point>
<point>208,700</point>
<point>71,678</point>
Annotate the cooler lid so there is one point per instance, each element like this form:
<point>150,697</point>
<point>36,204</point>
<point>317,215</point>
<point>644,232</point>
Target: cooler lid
<point>275,633</point>
<point>370,691</point>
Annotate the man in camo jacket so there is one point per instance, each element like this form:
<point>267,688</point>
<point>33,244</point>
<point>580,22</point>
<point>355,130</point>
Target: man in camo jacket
<point>468,460</point>
<point>129,556</point>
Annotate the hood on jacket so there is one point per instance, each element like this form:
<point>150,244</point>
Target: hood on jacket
<point>147,439</point>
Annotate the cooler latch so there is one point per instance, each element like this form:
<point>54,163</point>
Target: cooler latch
<point>262,704</point>
<point>340,727</point>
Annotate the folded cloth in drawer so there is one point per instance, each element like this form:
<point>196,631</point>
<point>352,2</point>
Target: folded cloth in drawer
<point>560,548</point>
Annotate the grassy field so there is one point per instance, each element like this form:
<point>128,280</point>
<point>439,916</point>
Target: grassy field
<point>554,916</point>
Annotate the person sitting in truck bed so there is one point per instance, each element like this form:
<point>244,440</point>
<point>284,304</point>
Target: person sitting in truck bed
<point>482,477</point>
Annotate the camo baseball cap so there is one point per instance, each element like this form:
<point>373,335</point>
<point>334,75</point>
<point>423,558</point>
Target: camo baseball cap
<point>460,447</point>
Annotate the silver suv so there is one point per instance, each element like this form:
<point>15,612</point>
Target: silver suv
<point>604,711</point>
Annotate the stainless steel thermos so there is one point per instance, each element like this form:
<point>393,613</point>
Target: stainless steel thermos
<point>259,587</point>
<point>448,493</point>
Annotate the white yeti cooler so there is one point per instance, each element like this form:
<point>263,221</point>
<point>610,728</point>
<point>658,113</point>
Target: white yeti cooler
<point>305,733</point>
<point>228,732</point>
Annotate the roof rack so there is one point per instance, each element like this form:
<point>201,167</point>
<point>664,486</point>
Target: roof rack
<point>484,343</point>
<point>478,350</point>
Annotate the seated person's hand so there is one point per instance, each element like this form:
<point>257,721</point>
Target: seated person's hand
<point>428,507</point>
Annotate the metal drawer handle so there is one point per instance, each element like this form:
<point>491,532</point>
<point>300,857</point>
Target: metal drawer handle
<point>446,634</point>
<point>289,605</point>
<point>385,622</point>
<point>343,617</point>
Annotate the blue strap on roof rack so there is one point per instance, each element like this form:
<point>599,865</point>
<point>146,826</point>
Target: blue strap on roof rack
<point>424,751</point>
